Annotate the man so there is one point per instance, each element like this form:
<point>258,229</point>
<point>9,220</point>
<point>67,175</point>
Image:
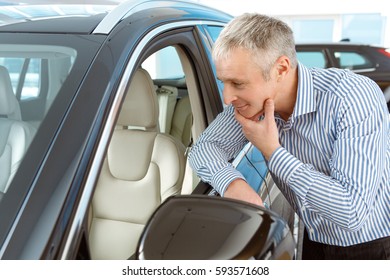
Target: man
<point>324,134</point>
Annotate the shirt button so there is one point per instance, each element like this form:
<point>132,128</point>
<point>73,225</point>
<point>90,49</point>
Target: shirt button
<point>303,208</point>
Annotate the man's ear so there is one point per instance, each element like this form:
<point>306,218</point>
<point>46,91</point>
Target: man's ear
<point>282,67</point>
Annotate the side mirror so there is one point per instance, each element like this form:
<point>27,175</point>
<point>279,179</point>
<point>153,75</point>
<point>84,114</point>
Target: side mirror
<point>208,227</point>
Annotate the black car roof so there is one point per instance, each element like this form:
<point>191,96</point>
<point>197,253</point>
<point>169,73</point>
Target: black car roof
<point>98,16</point>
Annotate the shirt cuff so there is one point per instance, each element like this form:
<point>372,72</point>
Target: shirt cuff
<point>224,177</point>
<point>283,164</point>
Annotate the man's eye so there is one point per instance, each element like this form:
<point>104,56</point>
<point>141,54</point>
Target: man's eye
<point>238,85</point>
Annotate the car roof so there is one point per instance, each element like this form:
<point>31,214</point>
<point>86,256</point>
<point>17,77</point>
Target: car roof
<point>53,18</point>
<point>85,17</point>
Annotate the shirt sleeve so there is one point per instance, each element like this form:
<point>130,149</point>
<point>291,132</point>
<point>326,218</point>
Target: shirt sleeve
<point>345,196</point>
<point>211,155</point>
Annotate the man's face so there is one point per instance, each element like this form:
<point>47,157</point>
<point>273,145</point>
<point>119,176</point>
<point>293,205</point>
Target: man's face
<point>244,85</point>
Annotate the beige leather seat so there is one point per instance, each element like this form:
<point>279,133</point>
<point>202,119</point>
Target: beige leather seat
<point>175,117</point>
<point>15,135</point>
<point>142,168</point>
<point>167,97</point>
<point>182,121</point>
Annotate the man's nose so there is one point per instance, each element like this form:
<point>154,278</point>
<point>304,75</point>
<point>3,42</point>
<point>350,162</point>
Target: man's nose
<point>228,96</point>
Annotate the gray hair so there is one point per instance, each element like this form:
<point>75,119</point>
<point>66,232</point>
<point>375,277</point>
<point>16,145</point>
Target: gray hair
<point>265,37</point>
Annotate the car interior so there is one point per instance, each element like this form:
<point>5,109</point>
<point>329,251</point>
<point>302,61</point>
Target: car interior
<point>144,165</point>
<point>15,134</point>
<point>25,97</point>
<point>142,168</point>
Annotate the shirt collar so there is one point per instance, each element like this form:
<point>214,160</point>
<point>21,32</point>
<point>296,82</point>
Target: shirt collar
<point>306,101</point>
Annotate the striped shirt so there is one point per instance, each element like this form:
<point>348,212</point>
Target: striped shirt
<point>333,165</point>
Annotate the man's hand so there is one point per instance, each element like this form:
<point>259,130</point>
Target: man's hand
<point>239,189</point>
<point>263,134</point>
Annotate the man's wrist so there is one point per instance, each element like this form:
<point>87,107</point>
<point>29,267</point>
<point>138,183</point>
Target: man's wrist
<point>268,155</point>
<point>241,190</point>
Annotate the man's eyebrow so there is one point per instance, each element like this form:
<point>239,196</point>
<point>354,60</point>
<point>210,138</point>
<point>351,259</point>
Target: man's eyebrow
<point>235,80</point>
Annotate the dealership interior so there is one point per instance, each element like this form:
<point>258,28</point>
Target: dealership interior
<point>358,21</point>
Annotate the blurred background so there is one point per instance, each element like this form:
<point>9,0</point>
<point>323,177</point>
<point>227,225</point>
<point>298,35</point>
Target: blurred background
<point>357,21</point>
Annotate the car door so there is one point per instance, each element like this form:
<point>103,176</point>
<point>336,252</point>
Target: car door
<point>315,56</point>
<point>188,44</point>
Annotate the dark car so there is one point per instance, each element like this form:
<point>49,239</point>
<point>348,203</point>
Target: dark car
<point>98,105</point>
<point>367,60</point>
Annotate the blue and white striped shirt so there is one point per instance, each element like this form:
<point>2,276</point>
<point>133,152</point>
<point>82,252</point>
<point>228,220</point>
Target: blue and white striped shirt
<point>334,163</point>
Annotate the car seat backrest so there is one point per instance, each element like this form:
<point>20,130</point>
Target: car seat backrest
<point>142,168</point>
<point>175,117</point>
<point>15,135</point>
<point>9,105</point>
<point>182,121</point>
<point>167,97</point>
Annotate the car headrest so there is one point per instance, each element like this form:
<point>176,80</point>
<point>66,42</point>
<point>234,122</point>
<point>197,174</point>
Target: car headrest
<point>9,105</point>
<point>140,107</point>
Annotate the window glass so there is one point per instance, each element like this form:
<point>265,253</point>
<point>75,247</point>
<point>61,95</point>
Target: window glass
<point>214,31</point>
<point>253,167</point>
<point>24,69</point>
<point>14,66</point>
<point>26,72</point>
<point>28,79</point>
<point>164,64</point>
<point>312,58</point>
<point>313,30</point>
<point>40,78</point>
<point>364,28</point>
<point>353,61</point>
<point>31,84</point>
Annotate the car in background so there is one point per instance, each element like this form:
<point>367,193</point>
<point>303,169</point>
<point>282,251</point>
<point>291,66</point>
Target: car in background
<point>98,105</point>
<point>367,60</point>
